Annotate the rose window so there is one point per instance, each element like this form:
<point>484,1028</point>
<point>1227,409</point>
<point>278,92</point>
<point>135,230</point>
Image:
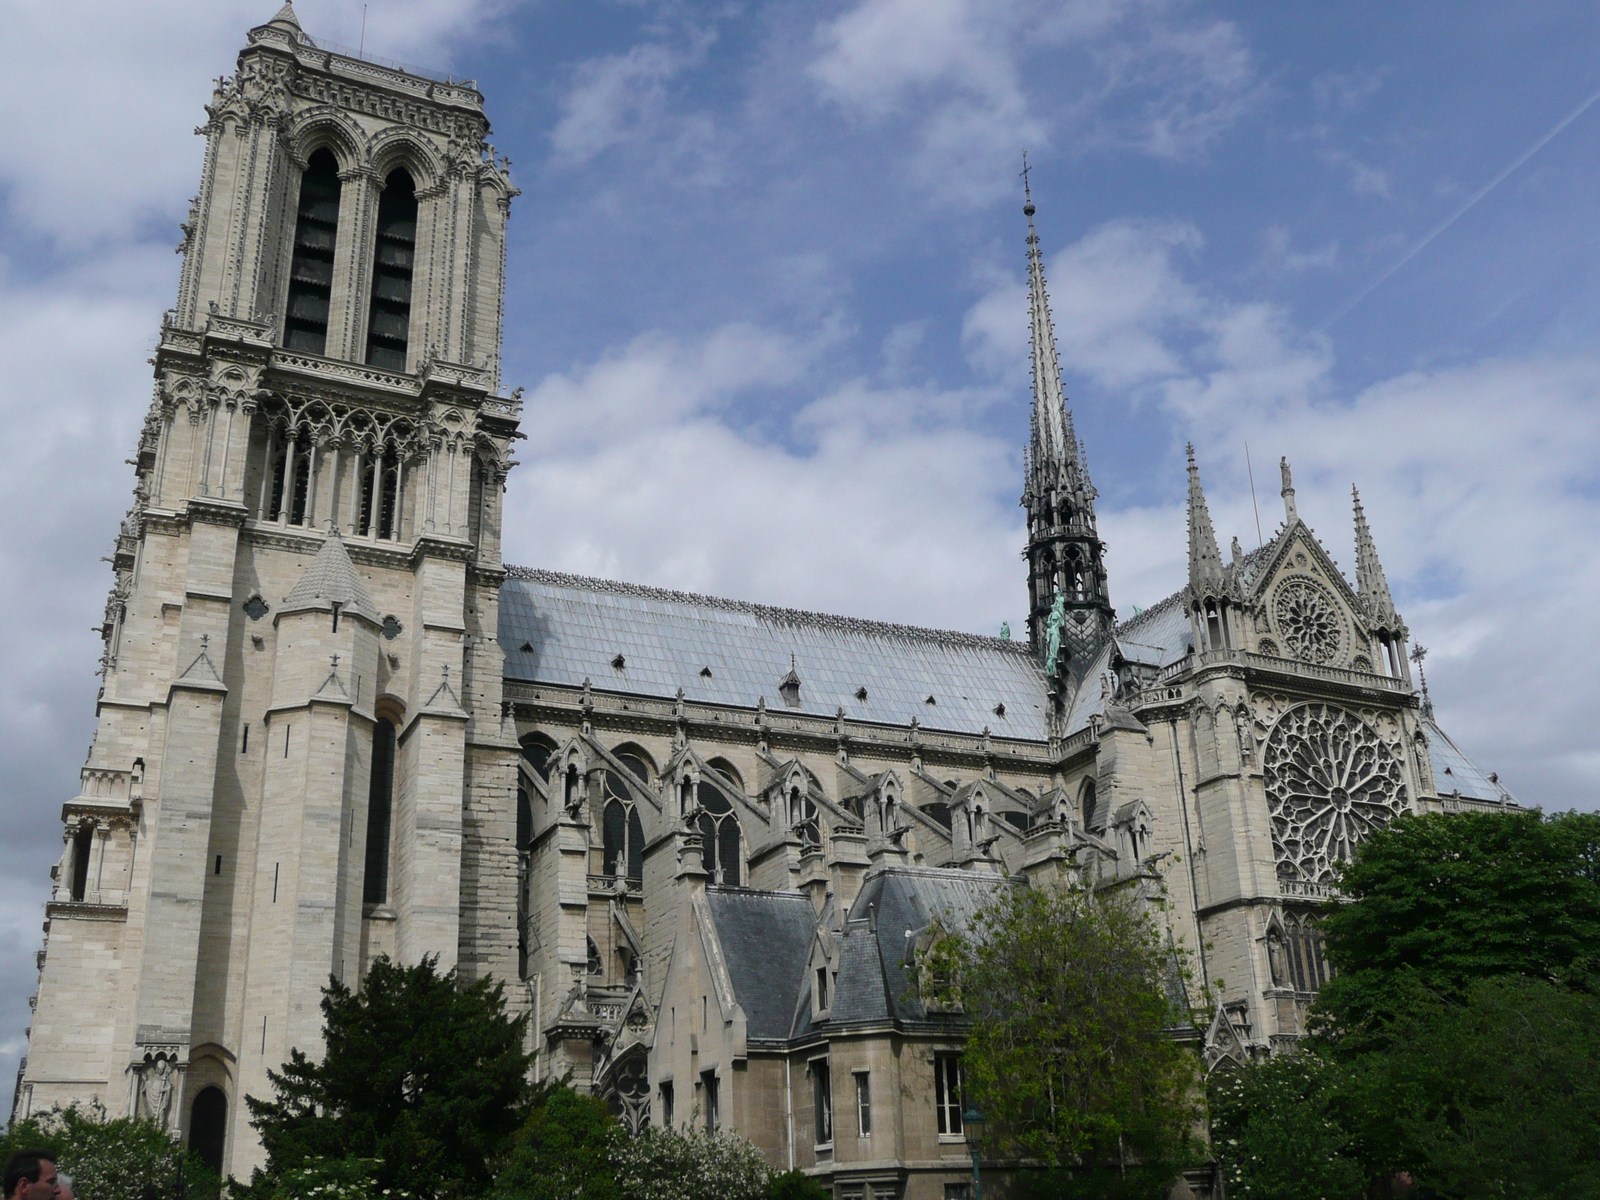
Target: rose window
<point>1330,783</point>
<point>1309,621</point>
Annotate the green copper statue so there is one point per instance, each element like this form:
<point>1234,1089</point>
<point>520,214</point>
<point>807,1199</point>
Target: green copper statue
<point>1052,626</point>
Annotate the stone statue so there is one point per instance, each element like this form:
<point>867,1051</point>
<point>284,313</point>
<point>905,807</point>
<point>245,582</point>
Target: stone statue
<point>158,1092</point>
<point>1277,959</point>
<point>1052,627</point>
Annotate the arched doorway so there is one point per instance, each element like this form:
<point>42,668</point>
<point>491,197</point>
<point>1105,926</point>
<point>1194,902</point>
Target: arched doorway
<point>208,1126</point>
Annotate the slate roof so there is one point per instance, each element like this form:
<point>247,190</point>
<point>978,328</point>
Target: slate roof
<point>1453,771</point>
<point>574,627</point>
<point>332,578</point>
<point>766,944</point>
<point>907,900</point>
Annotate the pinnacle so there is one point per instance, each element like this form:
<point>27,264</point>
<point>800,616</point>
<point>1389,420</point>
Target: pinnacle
<point>286,17</point>
<point>1205,560</point>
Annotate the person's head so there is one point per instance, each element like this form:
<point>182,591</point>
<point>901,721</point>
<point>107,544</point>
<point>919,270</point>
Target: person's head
<point>64,1188</point>
<point>28,1169</point>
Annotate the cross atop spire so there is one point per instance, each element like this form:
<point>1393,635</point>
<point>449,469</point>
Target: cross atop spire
<point>1205,560</point>
<point>1370,581</point>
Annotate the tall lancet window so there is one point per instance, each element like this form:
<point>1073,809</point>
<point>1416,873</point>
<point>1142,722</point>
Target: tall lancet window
<point>389,325</point>
<point>305,327</point>
<point>380,803</point>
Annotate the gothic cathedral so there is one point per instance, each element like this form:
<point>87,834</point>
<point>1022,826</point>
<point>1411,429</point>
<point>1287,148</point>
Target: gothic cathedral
<point>335,726</point>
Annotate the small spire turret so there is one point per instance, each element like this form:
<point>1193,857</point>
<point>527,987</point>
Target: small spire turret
<point>1205,560</point>
<point>1371,584</point>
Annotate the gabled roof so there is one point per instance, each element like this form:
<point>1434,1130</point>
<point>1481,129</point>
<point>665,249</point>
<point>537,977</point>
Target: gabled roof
<point>563,629</point>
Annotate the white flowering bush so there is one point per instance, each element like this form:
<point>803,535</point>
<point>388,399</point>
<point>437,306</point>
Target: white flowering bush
<point>118,1159</point>
<point>669,1164</point>
<point>335,1179</point>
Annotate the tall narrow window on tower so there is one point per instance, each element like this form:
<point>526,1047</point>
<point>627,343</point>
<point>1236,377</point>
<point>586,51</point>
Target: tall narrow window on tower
<point>305,327</point>
<point>389,326</point>
<point>380,801</point>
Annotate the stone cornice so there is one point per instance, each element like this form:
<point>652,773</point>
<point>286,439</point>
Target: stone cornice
<point>216,512</point>
<point>782,731</point>
<point>82,910</point>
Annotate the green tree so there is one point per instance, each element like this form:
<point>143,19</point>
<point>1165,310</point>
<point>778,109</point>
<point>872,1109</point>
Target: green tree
<point>1498,1093</point>
<point>421,1073</point>
<point>121,1159</point>
<point>1070,1055</point>
<point>796,1185</point>
<point>1436,902</point>
<point>1281,1129</point>
<point>562,1152</point>
<point>678,1164</point>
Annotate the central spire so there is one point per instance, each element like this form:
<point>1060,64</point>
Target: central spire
<point>1069,615</point>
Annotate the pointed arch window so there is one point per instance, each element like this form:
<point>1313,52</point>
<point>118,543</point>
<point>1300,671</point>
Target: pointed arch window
<point>1086,803</point>
<point>380,801</point>
<point>719,836</point>
<point>289,479</point>
<point>394,256</point>
<point>305,324</point>
<point>537,749</point>
<point>622,832</point>
<point>380,489</point>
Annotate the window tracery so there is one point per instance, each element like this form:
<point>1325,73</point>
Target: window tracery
<point>622,832</point>
<point>1330,783</point>
<point>1309,620</point>
<point>719,836</point>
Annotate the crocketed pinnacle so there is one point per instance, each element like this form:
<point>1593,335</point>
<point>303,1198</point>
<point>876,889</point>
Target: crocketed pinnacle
<point>331,579</point>
<point>1370,581</point>
<point>1205,560</point>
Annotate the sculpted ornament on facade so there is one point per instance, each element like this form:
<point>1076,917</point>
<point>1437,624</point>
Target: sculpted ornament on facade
<point>1331,781</point>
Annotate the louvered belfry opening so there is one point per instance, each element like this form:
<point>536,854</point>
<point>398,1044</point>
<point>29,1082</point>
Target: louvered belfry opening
<point>389,325</point>
<point>305,327</point>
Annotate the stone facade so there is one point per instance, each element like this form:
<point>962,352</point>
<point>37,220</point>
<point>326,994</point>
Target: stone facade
<point>702,840</point>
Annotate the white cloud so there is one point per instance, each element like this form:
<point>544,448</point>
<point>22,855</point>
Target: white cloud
<point>619,98</point>
<point>867,500</point>
<point>1365,179</point>
<point>1127,73</point>
<point>65,66</point>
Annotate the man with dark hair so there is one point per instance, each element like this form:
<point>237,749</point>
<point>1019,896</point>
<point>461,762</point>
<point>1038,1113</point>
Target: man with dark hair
<point>31,1175</point>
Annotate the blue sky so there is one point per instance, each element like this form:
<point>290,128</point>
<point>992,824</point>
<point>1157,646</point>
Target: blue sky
<point>766,299</point>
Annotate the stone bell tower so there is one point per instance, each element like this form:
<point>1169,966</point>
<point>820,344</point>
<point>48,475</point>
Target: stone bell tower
<point>299,762</point>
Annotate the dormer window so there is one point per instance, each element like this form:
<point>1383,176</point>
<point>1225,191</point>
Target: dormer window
<point>389,324</point>
<point>305,324</point>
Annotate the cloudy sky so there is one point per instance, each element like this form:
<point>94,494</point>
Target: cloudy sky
<point>767,300</point>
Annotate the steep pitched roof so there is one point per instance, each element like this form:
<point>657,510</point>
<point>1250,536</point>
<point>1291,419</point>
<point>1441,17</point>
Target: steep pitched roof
<point>331,579</point>
<point>558,628</point>
<point>766,941</point>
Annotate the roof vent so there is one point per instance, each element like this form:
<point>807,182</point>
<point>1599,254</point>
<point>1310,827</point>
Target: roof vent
<point>705,672</point>
<point>789,686</point>
<point>1000,709</point>
<point>861,693</point>
<point>930,700</point>
<point>527,647</point>
<point>618,663</point>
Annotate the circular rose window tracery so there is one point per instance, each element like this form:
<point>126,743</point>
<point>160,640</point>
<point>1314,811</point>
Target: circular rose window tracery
<point>1309,621</point>
<point>1330,783</point>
